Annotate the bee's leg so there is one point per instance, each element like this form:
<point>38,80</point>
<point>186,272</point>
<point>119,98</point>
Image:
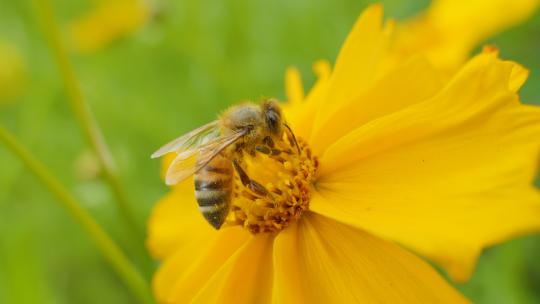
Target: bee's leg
<point>263,150</point>
<point>268,141</point>
<point>269,148</point>
<point>248,182</point>
<point>271,151</point>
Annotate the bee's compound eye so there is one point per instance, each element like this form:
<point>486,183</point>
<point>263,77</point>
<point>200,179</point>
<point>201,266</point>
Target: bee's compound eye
<point>273,120</point>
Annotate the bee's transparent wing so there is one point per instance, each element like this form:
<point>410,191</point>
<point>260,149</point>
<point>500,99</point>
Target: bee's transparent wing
<point>189,162</point>
<point>190,142</point>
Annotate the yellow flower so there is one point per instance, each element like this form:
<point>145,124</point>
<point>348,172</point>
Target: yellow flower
<point>12,73</point>
<point>448,31</point>
<point>443,168</point>
<point>109,21</point>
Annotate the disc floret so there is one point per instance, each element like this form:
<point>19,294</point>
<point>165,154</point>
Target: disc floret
<point>286,172</point>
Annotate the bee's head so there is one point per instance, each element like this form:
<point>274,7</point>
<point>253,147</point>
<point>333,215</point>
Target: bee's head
<point>272,117</point>
<point>258,121</point>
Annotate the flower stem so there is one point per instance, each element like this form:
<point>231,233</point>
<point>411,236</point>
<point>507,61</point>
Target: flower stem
<point>86,121</point>
<point>102,240</point>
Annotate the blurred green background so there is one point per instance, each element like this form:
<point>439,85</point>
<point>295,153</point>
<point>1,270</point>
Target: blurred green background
<point>190,61</point>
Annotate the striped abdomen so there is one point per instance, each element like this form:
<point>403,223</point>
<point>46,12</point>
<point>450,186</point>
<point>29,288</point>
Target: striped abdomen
<point>213,188</point>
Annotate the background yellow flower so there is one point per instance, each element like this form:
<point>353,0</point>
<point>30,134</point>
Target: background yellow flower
<point>107,22</point>
<point>448,31</point>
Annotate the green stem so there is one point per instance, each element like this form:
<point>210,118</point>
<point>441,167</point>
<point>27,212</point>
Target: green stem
<point>86,121</point>
<point>103,241</point>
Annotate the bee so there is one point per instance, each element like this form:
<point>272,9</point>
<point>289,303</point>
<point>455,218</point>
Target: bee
<point>212,153</point>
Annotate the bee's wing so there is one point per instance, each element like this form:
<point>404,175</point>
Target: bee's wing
<point>190,141</point>
<point>189,162</point>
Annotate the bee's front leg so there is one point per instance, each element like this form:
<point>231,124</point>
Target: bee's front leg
<point>269,148</point>
<point>268,141</point>
<point>253,185</point>
<point>271,151</point>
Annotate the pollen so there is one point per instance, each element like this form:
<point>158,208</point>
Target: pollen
<point>282,177</point>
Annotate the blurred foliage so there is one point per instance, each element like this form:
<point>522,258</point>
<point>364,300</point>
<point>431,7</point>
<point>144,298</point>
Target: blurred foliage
<point>188,62</point>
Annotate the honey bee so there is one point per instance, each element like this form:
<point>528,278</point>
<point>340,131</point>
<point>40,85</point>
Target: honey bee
<point>213,151</point>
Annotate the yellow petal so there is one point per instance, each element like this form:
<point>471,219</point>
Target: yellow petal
<point>357,65</point>
<point>300,115</point>
<point>411,82</point>
<point>446,177</point>
<point>518,77</point>
<point>176,221</point>
<point>193,279</point>
<point>174,265</point>
<point>319,260</point>
<point>246,277</point>
<point>288,277</point>
<point>481,85</point>
<point>293,86</point>
<point>450,29</point>
<point>519,74</point>
<point>358,59</point>
<point>108,22</point>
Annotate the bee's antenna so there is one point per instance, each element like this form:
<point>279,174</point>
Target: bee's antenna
<point>293,137</point>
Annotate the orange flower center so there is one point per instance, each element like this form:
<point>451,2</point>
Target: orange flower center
<point>285,173</point>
